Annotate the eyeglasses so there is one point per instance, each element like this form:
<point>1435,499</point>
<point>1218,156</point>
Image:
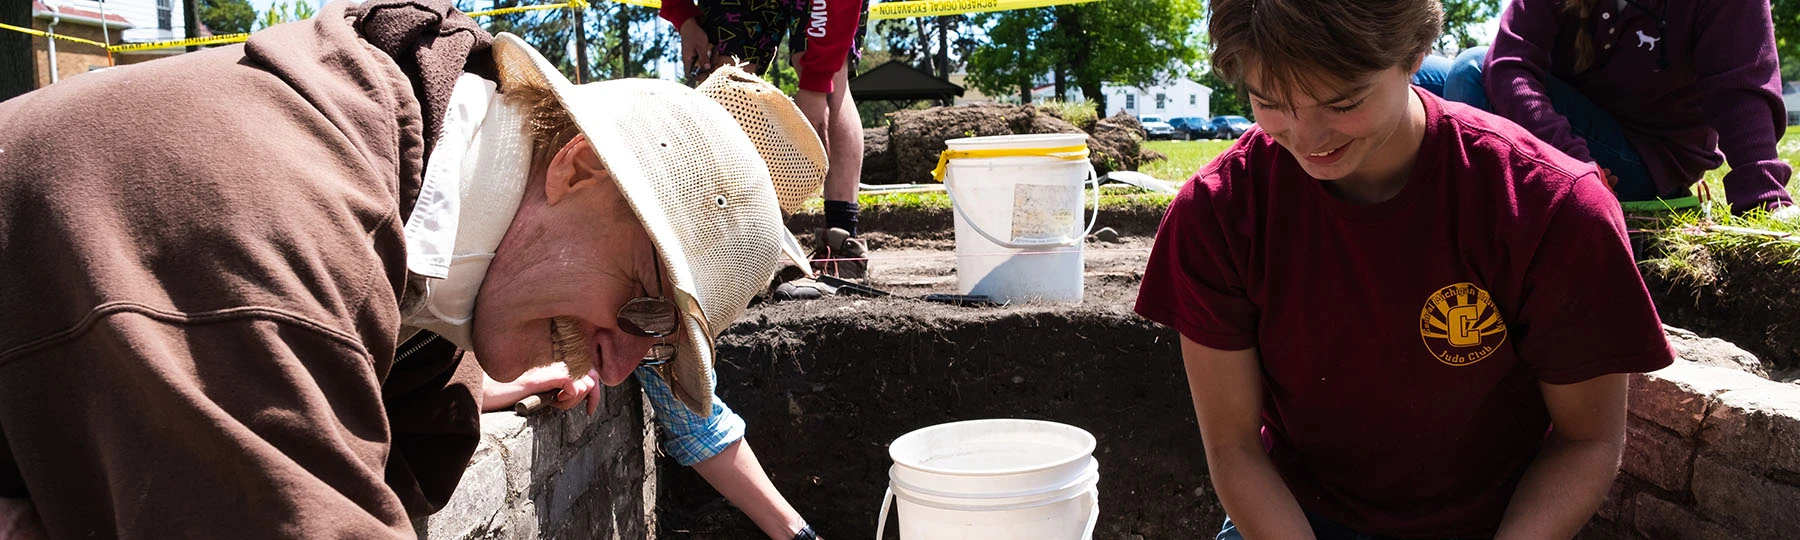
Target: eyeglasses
<point>652,316</point>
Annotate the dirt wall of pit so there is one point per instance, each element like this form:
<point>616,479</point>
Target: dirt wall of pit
<point>826,385</point>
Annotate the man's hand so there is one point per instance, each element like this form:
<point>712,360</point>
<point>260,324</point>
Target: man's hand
<point>817,111</point>
<point>696,50</point>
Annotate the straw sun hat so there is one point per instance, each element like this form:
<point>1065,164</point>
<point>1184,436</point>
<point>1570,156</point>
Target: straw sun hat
<point>697,183</point>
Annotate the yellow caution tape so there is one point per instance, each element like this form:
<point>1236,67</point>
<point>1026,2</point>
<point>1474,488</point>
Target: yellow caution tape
<point>518,9</point>
<point>41,33</point>
<point>209,40</point>
<point>1066,153</point>
<point>933,8</point>
<point>578,4</point>
<point>885,10</point>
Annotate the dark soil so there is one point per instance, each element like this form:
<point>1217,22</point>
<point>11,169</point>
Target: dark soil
<point>826,385</point>
<point>1751,302</point>
<point>916,138</point>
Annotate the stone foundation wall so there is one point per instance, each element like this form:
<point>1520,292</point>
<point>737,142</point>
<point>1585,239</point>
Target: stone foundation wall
<point>558,474</point>
<point>1711,453</point>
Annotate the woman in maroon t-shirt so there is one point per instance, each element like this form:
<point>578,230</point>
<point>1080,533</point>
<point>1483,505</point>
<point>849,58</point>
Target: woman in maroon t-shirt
<point>1387,301</point>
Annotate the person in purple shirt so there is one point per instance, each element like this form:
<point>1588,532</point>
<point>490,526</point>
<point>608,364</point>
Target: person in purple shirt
<point>1399,316</point>
<point>1650,90</point>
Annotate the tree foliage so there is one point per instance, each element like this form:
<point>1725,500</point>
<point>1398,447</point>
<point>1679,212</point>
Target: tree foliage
<point>1123,42</point>
<point>623,40</point>
<point>1787,36</point>
<point>1017,53</point>
<point>227,16</point>
<point>915,41</point>
<point>1225,98</point>
<point>1461,18</point>
<point>299,10</point>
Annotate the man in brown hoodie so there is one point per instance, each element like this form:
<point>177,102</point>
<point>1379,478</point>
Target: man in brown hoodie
<point>225,274</point>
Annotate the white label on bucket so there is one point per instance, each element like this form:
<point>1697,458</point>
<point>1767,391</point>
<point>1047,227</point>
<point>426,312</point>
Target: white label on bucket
<point>1044,211</point>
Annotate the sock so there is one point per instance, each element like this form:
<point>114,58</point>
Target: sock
<point>841,215</point>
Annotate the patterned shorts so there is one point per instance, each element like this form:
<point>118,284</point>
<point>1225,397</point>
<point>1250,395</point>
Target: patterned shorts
<point>751,30</point>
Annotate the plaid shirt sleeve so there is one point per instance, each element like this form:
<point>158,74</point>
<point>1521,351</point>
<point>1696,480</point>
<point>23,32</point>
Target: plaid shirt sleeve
<point>687,437</point>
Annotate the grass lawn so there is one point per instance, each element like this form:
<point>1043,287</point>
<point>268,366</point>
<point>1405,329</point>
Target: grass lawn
<point>1185,158</point>
<point>1712,227</point>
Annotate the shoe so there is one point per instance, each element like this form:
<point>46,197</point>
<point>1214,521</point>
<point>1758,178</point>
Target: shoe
<point>838,254</point>
<point>802,289</point>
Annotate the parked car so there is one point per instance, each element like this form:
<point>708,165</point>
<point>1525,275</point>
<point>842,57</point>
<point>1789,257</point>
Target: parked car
<point>1230,126</point>
<point>1192,127</point>
<point>1156,128</point>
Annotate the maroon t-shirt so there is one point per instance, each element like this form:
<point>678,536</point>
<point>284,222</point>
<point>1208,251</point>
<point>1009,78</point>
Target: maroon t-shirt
<point>1402,342</point>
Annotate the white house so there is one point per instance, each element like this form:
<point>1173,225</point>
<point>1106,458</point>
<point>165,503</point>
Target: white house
<point>1172,99</point>
<point>151,20</point>
<point>113,21</point>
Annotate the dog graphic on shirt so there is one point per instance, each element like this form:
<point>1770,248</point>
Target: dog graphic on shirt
<point>1644,40</point>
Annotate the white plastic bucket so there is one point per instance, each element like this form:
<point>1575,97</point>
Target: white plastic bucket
<point>1019,226</point>
<point>999,479</point>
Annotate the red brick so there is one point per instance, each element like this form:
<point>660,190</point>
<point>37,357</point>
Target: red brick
<point>1757,423</point>
<point>1617,506</point>
<point>1753,506</point>
<point>1676,397</point>
<point>1658,519</point>
<point>1657,456</point>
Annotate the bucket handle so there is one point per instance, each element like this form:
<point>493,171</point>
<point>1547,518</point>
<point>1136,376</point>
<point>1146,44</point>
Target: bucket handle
<point>1093,515</point>
<point>887,499</point>
<point>881,524</point>
<point>1093,179</point>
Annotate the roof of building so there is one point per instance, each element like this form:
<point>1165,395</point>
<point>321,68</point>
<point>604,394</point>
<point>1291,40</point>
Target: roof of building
<point>898,81</point>
<point>75,14</point>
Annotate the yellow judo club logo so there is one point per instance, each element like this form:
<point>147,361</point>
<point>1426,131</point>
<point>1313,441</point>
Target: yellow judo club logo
<point>1461,325</point>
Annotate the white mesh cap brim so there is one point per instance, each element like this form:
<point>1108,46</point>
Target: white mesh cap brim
<point>696,183</point>
<point>786,140</point>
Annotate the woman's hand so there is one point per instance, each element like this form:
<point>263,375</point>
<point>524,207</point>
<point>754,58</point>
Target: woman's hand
<point>496,395</point>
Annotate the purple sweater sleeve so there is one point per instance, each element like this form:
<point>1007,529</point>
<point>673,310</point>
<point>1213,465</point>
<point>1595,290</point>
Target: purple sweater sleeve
<point>1518,64</point>
<point>1738,73</point>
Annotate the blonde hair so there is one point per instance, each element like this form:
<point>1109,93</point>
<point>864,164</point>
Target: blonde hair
<point>551,125</point>
<point>1584,42</point>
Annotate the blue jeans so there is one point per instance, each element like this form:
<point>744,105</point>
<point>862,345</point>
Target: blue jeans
<point>1323,529</point>
<point>1460,80</point>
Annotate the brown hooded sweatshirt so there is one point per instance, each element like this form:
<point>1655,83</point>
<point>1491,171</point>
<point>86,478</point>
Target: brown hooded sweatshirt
<point>201,264</point>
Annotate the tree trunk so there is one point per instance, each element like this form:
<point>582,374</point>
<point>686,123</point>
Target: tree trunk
<point>190,19</point>
<point>925,58</point>
<point>18,72</point>
<point>1025,92</point>
<point>1062,82</point>
<point>625,55</point>
<point>1075,38</point>
<point>943,56</point>
<point>578,17</point>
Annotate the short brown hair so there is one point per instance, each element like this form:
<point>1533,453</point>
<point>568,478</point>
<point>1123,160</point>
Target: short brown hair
<point>1296,41</point>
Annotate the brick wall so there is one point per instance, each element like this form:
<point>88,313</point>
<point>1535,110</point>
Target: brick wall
<point>557,475</point>
<point>1711,453</point>
<point>71,58</point>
